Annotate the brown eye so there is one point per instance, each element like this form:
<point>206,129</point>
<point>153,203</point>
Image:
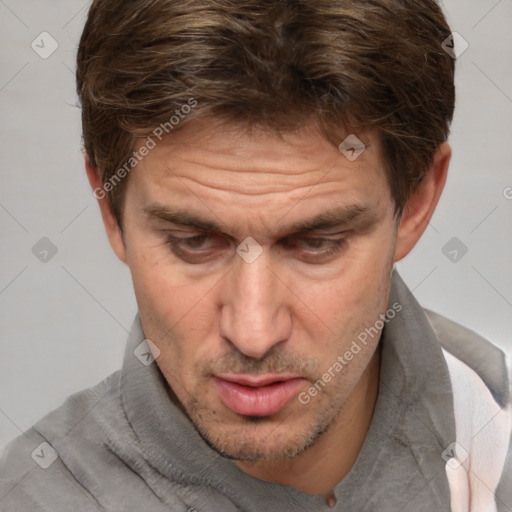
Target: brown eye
<point>197,248</point>
<point>194,242</point>
<point>315,249</point>
<point>317,243</point>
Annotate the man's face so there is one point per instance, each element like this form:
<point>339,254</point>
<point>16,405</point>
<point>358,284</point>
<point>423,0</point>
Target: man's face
<point>242,334</point>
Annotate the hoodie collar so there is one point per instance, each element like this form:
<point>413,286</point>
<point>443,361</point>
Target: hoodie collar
<point>401,457</point>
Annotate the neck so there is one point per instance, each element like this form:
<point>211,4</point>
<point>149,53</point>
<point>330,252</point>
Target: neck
<point>329,460</point>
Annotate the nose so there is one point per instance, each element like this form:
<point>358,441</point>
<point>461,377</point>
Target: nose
<point>254,313</point>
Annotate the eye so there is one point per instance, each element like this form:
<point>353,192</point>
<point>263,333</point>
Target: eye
<point>197,248</point>
<point>317,243</point>
<point>193,242</point>
<point>203,247</point>
<point>316,249</point>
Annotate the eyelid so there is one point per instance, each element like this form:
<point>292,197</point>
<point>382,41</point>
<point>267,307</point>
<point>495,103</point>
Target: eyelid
<point>287,239</point>
<point>309,256</point>
<point>315,235</point>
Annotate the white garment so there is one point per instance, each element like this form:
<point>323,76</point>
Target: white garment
<point>483,431</point>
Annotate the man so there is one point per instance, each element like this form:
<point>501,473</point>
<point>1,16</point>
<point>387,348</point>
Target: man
<point>260,166</point>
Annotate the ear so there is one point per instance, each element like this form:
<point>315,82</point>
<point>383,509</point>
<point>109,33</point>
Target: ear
<point>114,232</point>
<point>421,204</point>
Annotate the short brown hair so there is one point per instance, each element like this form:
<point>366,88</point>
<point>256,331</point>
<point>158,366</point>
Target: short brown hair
<point>348,64</point>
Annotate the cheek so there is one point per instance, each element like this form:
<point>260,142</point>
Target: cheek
<point>178,314</point>
<point>158,283</point>
<point>348,305</point>
<point>358,289</point>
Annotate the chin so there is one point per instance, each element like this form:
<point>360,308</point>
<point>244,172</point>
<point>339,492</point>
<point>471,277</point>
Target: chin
<point>259,438</point>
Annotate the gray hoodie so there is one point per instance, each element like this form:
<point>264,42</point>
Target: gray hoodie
<point>125,444</point>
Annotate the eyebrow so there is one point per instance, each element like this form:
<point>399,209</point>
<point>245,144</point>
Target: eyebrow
<point>324,220</point>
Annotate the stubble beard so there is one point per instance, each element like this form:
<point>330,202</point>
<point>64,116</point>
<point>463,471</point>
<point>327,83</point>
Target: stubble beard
<point>261,438</point>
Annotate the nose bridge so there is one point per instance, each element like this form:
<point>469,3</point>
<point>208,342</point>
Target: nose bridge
<point>254,316</point>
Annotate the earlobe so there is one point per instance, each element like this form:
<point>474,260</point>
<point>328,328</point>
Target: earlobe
<point>422,203</point>
<point>114,232</point>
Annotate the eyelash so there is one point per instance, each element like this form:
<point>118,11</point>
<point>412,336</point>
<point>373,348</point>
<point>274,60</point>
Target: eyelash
<point>176,245</point>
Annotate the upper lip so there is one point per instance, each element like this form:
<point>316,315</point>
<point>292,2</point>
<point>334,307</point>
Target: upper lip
<point>253,380</point>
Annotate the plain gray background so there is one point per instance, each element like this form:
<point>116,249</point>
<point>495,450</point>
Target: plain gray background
<point>63,322</point>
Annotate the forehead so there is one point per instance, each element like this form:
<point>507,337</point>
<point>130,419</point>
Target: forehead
<point>258,174</point>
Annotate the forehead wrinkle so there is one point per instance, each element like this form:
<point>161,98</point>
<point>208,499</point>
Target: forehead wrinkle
<point>330,218</point>
<point>269,187</point>
<point>265,161</point>
<point>251,182</point>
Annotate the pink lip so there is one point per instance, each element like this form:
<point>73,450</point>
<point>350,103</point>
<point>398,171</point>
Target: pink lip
<point>257,395</point>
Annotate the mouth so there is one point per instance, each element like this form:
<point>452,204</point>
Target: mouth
<point>257,395</point>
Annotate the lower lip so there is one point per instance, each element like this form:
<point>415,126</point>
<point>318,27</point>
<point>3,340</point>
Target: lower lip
<point>258,401</point>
